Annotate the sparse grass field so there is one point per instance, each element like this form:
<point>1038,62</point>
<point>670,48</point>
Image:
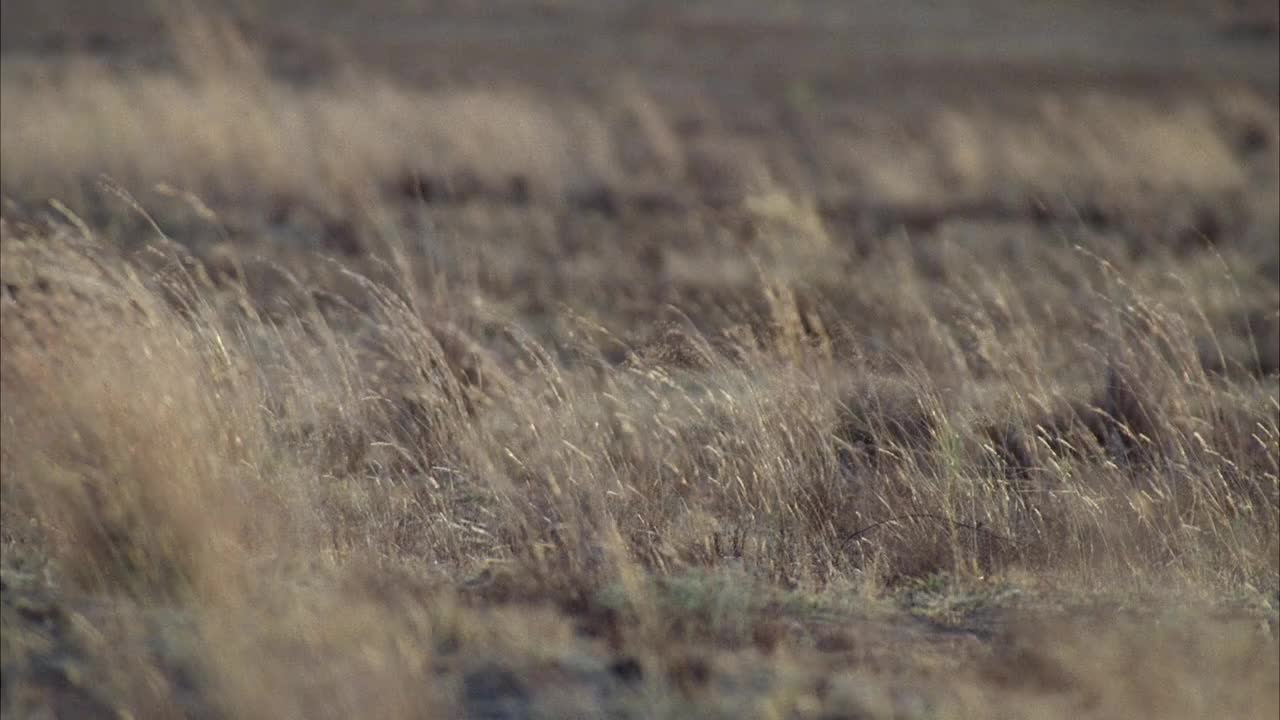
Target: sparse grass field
<point>640,360</point>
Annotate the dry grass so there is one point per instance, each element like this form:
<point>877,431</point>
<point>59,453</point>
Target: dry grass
<point>556,454</point>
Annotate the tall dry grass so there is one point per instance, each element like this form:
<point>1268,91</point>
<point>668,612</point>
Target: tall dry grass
<point>742,462</point>
<point>222,126</point>
<point>220,123</point>
<point>176,447</point>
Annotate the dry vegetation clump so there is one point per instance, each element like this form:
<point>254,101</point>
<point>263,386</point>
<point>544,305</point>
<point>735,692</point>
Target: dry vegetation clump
<point>346,398</point>
<point>226,128</point>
